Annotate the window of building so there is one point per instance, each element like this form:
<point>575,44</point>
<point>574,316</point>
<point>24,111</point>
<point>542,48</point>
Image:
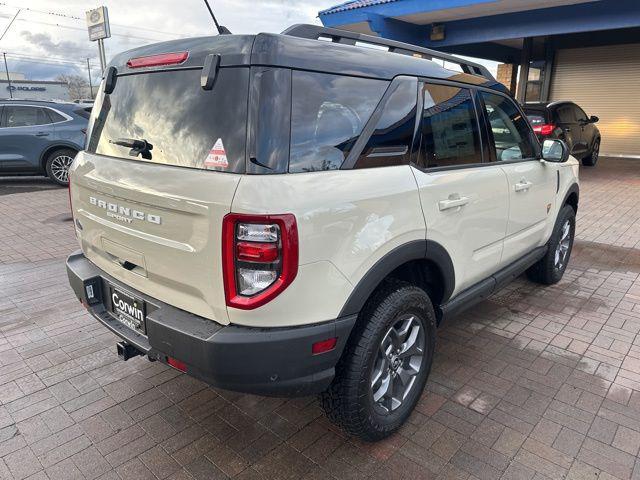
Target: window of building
<point>449,131</point>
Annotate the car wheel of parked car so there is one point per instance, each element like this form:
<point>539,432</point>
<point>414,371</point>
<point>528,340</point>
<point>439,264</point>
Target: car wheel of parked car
<point>385,366</point>
<point>551,267</point>
<point>58,163</point>
<point>592,159</point>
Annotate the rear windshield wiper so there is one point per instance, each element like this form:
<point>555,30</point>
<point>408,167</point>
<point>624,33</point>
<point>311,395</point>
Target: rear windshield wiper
<point>137,146</point>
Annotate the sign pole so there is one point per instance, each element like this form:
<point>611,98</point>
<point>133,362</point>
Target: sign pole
<point>103,58</point>
<point>6,68</point>
<point>98,29</point>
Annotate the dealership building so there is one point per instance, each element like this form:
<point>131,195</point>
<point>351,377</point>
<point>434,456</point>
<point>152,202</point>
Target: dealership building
<point>587,51</point>
<point>33,89</point>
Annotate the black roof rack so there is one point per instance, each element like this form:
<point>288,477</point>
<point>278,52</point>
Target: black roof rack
<point>317,32</point>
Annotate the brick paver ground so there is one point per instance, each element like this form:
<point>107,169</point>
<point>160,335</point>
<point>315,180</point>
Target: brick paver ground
<point>534,383</point>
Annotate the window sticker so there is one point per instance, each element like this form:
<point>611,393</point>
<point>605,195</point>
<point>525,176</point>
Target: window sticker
<point>217,157</point>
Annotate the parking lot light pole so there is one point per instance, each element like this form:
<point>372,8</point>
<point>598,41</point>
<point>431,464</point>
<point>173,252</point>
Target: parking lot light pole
<point>6,69</point>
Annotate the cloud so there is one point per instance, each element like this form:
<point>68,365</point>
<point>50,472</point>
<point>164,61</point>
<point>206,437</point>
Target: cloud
<point>64,48</point>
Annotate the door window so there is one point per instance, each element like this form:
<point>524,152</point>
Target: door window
<point>510,132</point>
<point>390,142</point>
<point>449,130</point>
<point>24,116</point>
<point>579,114</point>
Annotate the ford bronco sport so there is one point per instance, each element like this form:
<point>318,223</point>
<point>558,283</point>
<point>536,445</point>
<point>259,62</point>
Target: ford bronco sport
<point>286,215</point>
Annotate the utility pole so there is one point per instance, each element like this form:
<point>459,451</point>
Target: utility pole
<point>6,69</point>
<point>90,85</point>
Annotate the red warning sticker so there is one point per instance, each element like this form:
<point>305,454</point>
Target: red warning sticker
<point>217,156</point>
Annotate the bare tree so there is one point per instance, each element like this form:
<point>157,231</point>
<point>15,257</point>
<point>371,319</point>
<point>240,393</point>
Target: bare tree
<point>78,87</point>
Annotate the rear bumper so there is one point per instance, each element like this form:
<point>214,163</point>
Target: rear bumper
<point>262,361</point>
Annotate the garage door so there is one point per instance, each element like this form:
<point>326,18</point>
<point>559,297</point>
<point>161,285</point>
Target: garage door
<point>604,81</point>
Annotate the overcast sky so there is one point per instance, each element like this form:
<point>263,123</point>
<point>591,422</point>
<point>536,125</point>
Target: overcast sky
<point>48,36</point>
<point>37,37</point>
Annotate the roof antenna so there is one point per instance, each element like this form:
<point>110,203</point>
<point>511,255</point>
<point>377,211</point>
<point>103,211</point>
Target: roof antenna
<point>222,30</point>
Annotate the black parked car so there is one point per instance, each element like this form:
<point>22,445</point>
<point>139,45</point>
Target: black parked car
<point>566,121</point>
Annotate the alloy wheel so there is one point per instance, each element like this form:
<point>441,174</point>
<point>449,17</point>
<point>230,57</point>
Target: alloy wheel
<point>60,167</point>
<point>562,249</point>
<point>398,363</point>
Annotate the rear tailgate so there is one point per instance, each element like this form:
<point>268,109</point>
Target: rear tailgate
<point>156,228</point>
<point>151,216</point>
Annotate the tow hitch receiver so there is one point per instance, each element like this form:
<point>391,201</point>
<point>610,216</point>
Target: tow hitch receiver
<point>126,351</point>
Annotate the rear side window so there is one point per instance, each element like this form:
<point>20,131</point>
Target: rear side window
<point>450,134</point>
<point>185,125</point>
<point>511,134</point>
<point>328,113</point>
<point>390,142</point>
<point>56,117</point>
<point>83,112</point>
<point>24,116</point>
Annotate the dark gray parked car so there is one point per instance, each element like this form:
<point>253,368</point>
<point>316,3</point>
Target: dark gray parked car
<point>39,138</point>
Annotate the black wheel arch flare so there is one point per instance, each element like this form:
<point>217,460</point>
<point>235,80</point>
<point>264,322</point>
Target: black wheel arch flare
<point>415,250</point>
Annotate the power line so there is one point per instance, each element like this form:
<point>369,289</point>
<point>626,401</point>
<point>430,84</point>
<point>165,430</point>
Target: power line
<point>84,30</point>
<point>56,60</point>
<point>73,17</point>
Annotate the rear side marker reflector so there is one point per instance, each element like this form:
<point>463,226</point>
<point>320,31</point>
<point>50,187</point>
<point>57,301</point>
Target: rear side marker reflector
<point>177,364</point>
<point>324,346</point>
<point>158,60</point>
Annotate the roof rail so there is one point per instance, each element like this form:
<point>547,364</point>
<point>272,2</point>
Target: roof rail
<point>317,32</point>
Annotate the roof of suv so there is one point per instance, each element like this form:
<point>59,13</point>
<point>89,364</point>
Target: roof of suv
<point>294,48</point>
<point>45,103</point>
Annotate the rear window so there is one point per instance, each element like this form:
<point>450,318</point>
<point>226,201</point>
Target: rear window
<point>185,125</point>
<point>535,117</point>
<point>328,113</point>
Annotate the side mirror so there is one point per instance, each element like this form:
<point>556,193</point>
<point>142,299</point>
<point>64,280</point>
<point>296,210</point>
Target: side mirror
<point>555,151</point>
<point>594,119</point>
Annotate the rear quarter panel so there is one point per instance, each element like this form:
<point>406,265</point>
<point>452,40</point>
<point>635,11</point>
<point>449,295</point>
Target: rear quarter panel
<point>347,220</point>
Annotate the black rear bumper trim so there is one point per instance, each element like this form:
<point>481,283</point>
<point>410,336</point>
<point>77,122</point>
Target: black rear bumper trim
<point>261,361</point>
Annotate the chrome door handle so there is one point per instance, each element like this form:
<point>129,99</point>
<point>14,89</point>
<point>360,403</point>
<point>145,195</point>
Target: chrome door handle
<point>523,186</point>
<point>454,201</point>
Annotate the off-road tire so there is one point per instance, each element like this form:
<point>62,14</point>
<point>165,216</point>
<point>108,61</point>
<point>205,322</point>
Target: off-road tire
<point>56,159</point>
<point>592,159</point>
<point>545,271</point>
<point>348,402</point>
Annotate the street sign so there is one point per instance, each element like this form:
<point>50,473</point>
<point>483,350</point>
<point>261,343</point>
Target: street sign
<point>98,24</point>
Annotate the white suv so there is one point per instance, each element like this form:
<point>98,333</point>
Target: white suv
<point>282,215</point>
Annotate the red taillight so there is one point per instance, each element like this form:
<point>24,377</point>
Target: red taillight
<point>257,252</point>
<point>259,257</point>
<point>158,60</point>
<point>324,346</point>
<point>177,364</point>
<point>546,129</point>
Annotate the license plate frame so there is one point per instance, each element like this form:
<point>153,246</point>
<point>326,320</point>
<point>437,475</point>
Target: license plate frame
<point>128,309</point>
